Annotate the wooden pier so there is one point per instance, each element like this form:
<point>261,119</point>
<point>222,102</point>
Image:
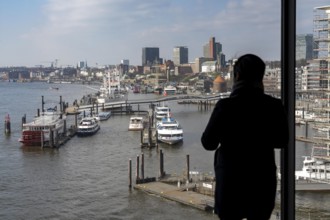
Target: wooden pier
<point>189,190</point>
<point>182,194</point>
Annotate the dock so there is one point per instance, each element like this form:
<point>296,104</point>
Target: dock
<point>193,188</point>
<point>178,194</point>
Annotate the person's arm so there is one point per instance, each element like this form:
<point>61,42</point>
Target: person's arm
<point>211,135</point>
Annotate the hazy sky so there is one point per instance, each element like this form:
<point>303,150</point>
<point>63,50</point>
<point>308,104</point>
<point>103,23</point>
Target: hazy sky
<point>36,32</point>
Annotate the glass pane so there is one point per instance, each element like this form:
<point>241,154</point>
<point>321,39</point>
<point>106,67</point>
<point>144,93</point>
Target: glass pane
<point>312,110</point>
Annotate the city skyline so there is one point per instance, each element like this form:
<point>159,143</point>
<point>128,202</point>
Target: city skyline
<point>106,31</point>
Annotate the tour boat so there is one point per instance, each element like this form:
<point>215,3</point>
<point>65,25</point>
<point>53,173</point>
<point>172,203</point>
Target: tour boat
<point>161,112</point>
<point>111,89</point>
<point>169,130</point>
<point>135,123</point>
<point>88,126</point>
<point>314,169</point>
<point>104,115</point>
<point>169,90</point>
<point>49,124</point>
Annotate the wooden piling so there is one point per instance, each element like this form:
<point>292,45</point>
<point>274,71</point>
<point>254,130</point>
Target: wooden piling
<point>142,166</point>
<point>42,104</point>
<point>51,138</point>
<point>306,129</point>
<point>23,120</point>
<point>64,128</point>
<point>61,105</point>
<point>137,167</point>
<point>161,163</point>
<point>188,167</point>
<point>42,139</point>
<point>130,173</point>
<point>7,125</point>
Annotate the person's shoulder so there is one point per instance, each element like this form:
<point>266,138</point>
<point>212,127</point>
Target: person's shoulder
<point>271,99</point>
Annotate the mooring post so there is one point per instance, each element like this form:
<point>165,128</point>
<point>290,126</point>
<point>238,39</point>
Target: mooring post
<point>137,167</point>
<point>141,137</point>
<point>23,120</point>
<point>51,138</point>
<point>161,163</point>
<point>130,173</point>
<point>142,166</point>
<point>64,128</point>
<point>303,113</point>
<point>61,105</point>
<point>42,104</point>
<point>188,168</point>
<point>149,136</point>
<point>42,139</point>
<point>7,125</point>
<point>306,129</point>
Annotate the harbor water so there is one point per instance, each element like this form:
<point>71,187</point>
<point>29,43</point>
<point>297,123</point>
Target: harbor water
<point>87,178</point>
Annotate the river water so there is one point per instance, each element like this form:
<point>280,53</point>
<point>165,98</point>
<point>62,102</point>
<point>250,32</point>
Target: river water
<point>87,178</point>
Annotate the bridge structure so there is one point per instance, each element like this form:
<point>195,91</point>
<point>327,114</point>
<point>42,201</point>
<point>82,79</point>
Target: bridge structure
<point>134,105</point>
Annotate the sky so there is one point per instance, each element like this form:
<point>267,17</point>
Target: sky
<point>103,32</point>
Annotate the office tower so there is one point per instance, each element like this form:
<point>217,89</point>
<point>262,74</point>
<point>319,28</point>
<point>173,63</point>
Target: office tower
<point>322,43</point>
<point>212,49</point>
<point>304,46</point>
<point>180,55</point>
<point>150,56</point>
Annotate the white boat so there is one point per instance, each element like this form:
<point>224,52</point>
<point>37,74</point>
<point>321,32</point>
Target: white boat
<point>38,132</point>
<point>314,169</point>
<point>104,115</point>
<point>169,90</point>
<point>169,131</point>
<point>111,89</point>
<point>88,126</point>
<point>135,123</point>
<point>161,112</point>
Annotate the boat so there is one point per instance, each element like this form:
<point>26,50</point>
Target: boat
<point>314,169</point>
<point>136,123</point>
<point>104,115</point>
<point>317,166</point>
<point>43,129</point>
<point>111,89</point>
<point>161,112</point>
<point>169,130</point>
<point>88,126</point>
<point>169,90</point>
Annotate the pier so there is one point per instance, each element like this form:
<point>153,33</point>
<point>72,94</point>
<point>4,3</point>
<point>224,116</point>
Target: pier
<point>193,188</point>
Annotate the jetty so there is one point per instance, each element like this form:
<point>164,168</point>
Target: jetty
<point>193,188</point>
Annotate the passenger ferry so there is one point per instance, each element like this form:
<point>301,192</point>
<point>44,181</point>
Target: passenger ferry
<point>169,130</point>
<point>88,126</point>
<point>161,112</point>
<point>136,123</point>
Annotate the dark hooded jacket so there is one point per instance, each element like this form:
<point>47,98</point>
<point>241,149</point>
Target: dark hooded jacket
<point>244,129</point>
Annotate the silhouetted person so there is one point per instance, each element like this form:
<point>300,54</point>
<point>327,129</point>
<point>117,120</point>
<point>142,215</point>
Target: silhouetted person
<point>244,129</point>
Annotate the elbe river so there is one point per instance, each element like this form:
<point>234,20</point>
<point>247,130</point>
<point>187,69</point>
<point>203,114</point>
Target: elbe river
<point>87,178</point>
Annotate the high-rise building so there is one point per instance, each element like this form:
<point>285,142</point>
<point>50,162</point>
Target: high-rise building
<point>304,46</point>
<point>180,55</point>
<point>150,56</point>
<point>212,49</point>
<point>322,43</point>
